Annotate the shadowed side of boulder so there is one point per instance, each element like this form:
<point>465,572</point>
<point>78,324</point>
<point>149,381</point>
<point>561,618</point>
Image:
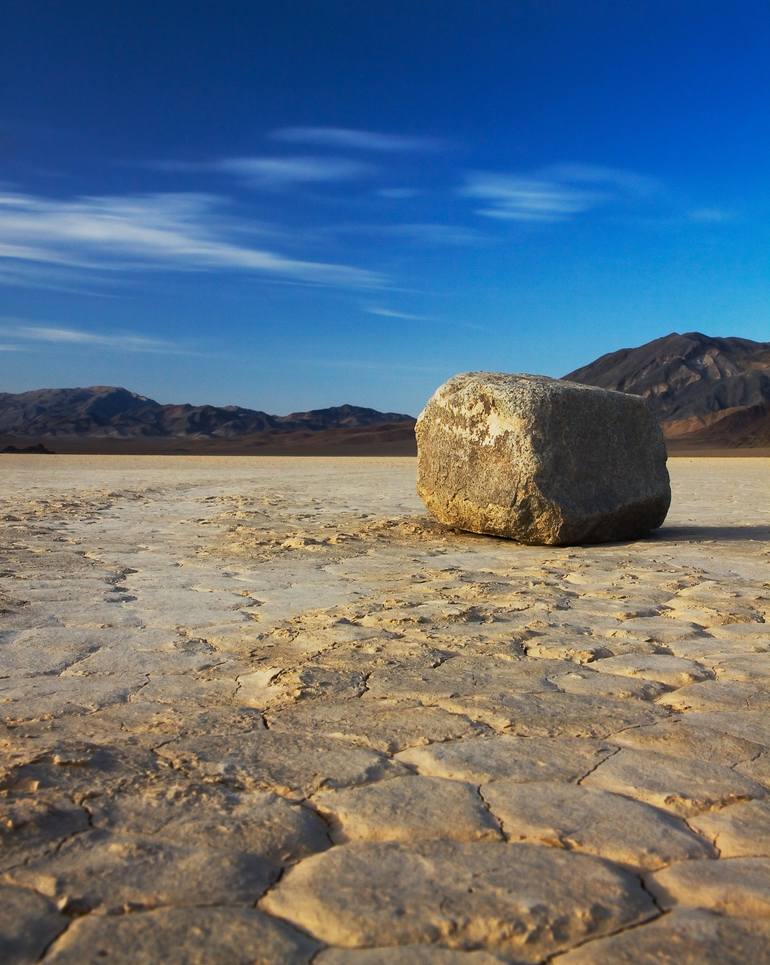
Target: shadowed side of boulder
<point>540,460</point>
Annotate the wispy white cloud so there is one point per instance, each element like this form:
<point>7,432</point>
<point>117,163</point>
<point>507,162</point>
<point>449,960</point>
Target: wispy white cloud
<point>556,193</point>
<point>279,172</point>
<point>162,231</point>
<point>58,335</point>
<point>383,312</point>
<point>418,233</point>
<point>43,276</point>
<point>398,194</point>
<point>512,198</point>
<point>276,172</point>
<point>359,140</point>
<point>611,178</point>
<point>392,313</point>
<point>710,215</point>
<point>9,348</point>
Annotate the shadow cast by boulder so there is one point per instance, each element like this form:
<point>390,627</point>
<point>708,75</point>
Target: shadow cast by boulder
<point>424,528</point>
<point>700,534</point>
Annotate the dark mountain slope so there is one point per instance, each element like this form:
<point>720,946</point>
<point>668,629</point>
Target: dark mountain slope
<point>109,412</point>
<point>344,417</point>
<point>713,390</point>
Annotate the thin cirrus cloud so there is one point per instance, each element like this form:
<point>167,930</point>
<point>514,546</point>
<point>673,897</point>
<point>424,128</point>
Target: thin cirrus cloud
<point>275,172</point>
<point>174,232</point>
<point>557,193</point>
<point>57,335</point>
<point>344,137</point>
<point>613,179</point>
<point>710,215</point>
<point>392,313</point>
<point>398,194</point>
<point>278,172</point>
<point>416,233</point>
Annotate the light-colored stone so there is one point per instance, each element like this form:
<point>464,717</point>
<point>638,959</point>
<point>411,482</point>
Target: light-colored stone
<point>519,758</point>
<point>758,769</point>
<point>711,604</point>
<point>738,831</point>
<point>718,695</point>
<point>668,670</point>
<point>404,955</point>
<point>469,675</point>
<point>676,737</point>
<point>748,725</point>
<point>739,887</point>
<point>578,651</point>
<point>292,765</point>
<point>214,816</point>
<point>58,767</point>
<point>182,936</point>
<point>550,713</point>
<point>585,681</point>
<point>748,668</point>
<point>541,460</point>
<point>522,901</point>
<point>381,725</point>
<point>683,937</point>
<point>597,822</point>
<point>407,809</point>
<point>113,872</point>
<point>673,783</point>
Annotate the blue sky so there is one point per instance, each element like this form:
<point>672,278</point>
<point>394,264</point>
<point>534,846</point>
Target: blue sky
<point>298,204</point>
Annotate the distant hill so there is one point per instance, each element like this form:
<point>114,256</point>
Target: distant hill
<point>109,418</point>
<point>710,392</point>
<point>707,392</point>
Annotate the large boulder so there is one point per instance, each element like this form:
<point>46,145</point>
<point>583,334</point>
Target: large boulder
<point>540,460</point>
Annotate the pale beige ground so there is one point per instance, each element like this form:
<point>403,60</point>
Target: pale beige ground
<point>262,710</point>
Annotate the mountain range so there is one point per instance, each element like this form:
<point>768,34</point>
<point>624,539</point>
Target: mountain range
<point>111,412</point>
<point>113,419</point>
<point>707,392</point>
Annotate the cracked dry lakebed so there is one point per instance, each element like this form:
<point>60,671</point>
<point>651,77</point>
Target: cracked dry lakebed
<point>264,710</point>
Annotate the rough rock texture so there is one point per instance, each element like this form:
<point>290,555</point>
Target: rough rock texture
<point>681,938</point>
<point>266,711</point>
<point>28,924</point>
<point>518,758</point>
<point>113,871</point>
<point>712,391</point>
<point>541,461</point>
<point>407,808</point>
<point>740,831</point>
<point>182,936</point>
<point>682,786</point>
<point>740,886</point>
<point>403,955</point>
<point>522,901</point>
<point>596,822</point>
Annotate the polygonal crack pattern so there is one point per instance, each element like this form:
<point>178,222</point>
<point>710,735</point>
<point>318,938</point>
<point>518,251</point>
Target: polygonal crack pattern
<point>265,710</point>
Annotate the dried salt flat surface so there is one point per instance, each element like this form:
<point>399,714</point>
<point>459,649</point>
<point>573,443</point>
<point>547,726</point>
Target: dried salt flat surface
<point>263,710</point>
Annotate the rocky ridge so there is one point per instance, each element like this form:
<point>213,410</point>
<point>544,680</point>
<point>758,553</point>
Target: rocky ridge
<point>713,391</point>
<point>112,412</point>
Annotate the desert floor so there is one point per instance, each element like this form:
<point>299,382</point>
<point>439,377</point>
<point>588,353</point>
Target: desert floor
<point>262,710</point>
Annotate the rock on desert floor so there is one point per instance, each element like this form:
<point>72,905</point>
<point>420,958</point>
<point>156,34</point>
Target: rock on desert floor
<point>263,710</point>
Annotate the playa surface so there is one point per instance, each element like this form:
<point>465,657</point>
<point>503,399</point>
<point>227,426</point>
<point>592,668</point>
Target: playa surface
<point>263,710</point>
